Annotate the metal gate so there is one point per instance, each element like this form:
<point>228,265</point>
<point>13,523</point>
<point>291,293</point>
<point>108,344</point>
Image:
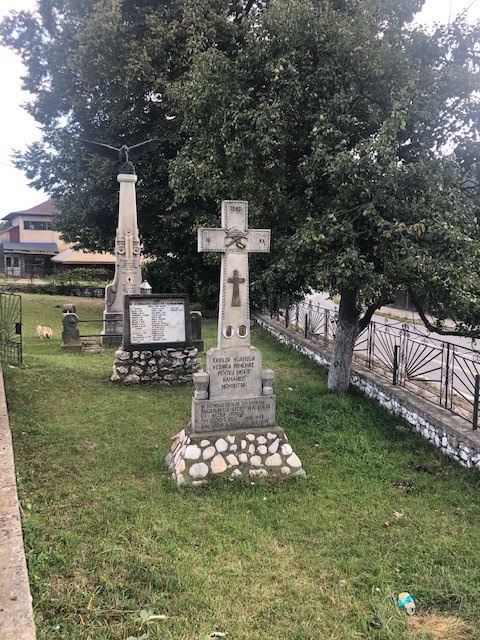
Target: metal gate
<point>11,329</point>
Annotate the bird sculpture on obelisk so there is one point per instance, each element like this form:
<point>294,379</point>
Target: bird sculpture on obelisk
<point>128,275</point>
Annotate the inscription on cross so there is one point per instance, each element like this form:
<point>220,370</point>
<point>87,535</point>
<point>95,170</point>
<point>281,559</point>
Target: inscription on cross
<point>234,240</point>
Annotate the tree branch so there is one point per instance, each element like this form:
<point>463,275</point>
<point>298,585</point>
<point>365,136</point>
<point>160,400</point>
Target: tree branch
<point>367,316</point>
<point>468,333</point>
<point>243,12</point>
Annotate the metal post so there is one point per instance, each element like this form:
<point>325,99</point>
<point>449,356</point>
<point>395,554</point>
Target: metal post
<point>370,343</point>
<point>306,324</point>
<point>447,375</point>
<point>395,363</point>
<point>475,402</point>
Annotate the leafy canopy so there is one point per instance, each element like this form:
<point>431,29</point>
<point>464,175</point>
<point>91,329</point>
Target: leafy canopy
<point>350,133</point>
<point>353,135</point>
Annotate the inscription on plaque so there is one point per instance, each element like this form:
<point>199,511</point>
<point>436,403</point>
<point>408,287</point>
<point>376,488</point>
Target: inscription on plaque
<point>234,372</point>
<point>245,413</point>
<point>158,321</point>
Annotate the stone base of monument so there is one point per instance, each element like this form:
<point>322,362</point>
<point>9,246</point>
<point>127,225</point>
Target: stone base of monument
<point>166,366</point>
<point>112,334</point>
<point>194,458</point>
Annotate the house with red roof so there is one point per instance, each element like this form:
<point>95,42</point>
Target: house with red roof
<point>30,247</point>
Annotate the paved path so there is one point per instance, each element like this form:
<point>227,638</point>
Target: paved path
<point>16,613</point>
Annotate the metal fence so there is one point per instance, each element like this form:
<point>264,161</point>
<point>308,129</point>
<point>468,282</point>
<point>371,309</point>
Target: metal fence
<point>447,373</point>
<point>11,329</point>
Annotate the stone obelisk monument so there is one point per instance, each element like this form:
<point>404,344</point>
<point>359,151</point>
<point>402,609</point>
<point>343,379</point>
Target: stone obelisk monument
<point>232,431</point>
<point>128,274</point>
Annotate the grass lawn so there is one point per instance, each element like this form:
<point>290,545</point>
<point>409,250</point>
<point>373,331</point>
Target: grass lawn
<point>112,543</point>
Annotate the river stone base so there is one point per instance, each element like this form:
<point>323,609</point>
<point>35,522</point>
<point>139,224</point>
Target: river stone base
<point>194,458</point>
<point>165,367</point>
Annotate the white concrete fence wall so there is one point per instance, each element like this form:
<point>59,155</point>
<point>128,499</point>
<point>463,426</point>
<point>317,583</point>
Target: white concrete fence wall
<point>452,435</point>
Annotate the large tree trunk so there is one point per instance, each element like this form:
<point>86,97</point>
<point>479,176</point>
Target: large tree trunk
<point>347,332</point>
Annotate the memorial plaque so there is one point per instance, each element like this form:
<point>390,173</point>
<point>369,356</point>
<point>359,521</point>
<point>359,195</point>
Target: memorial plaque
<point>234,414</point>
<point>157,321</point>
<point>235,372</point>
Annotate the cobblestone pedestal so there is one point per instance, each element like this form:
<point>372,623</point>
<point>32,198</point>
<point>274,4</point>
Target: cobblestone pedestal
<point>196,457</point>
<point>165,366</point>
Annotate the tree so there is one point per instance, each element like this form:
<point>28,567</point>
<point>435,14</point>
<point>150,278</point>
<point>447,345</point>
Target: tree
<point>349,132</point>
<point>99,70</point>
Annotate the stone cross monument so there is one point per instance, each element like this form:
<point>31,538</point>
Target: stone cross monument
<point>232,431</point>
<point>234,241</point>
<point>128,274</point>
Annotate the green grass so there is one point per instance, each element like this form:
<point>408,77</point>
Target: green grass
<point>108,534</point>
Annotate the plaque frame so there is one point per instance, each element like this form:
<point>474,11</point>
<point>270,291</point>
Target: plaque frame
<point>176,298</point>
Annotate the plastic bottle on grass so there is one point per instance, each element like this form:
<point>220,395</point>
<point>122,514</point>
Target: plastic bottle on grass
<point>406,602</point>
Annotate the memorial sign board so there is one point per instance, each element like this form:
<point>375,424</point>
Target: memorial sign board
<point>157,321</point>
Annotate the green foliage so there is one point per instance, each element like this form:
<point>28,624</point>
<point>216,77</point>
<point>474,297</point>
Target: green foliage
<point>335,123</point>
<point>80,275</point>
<point>99,70</point>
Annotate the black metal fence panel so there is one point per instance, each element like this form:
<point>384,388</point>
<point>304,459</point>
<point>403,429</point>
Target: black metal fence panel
<point>11,329</point>
<point>446,373</point>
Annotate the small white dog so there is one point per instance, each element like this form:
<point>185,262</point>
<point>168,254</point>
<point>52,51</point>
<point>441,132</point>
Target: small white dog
<point>44,332</point>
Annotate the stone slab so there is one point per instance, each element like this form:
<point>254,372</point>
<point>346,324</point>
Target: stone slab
<point>157,321</point>
<point>234,372</point>
<point>233,414</point>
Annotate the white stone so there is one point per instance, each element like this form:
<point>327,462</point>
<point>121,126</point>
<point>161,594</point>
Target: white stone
<point>232,460</point>
<point>271,436</point>
<point>198,483</point>
<point>198,470</point>
<point>285,470</point>
<point>204,443</point>
<point>255,461</point>
<point>273,448</point>
<point>274,460</point>
<point>218,464</point>
<point>299,472</point>
<point>221,445</point>
<point>250,437</point>
<point>243,444</point>
<point>193,452</point>
<point>231,439</point>
<point>294,461</point>
<point>262,449</point>
<point>180,480</point>
<point>286,450</point>
<point>236,473</point>
<point>251,449</point>
<point>261,440</point>
<point>258,472</point>
<point>180,468</point>
<point>208,453</point>
<point>243,458</point>
<point>233,447</point>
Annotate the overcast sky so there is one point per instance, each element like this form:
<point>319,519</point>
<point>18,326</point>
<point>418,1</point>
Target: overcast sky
<point>17,129</point>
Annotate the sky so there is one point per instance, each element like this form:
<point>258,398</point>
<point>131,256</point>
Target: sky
<point>18,129</point>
